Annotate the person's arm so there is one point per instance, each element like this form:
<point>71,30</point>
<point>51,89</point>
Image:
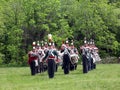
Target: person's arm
<point>69,50</point>
<point>61,51</point>
<point>76,51</point>
<point>56,53</point>
<point>46,55</point>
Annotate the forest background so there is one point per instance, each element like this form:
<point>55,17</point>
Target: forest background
<point>25,21</point>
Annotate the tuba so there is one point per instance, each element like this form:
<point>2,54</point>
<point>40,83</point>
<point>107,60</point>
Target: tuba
<point>50,37</point>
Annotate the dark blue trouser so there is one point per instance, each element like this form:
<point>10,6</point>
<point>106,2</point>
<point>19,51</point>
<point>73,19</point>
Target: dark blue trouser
<point>85,64</point>
<point>56,67</point>
<point>91,64</point>
<point>51,68</point>
<point>41,69</point>
<point>66,64</point>
<point>73,66</point>
<point>94,66</point>
<point>33,68</point>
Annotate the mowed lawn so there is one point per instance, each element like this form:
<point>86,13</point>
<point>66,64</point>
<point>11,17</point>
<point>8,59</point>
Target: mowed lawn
<point>105,77</point>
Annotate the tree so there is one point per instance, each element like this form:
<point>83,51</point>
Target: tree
<point>12,33</point>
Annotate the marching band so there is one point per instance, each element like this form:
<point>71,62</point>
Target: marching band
<point>47,57</point>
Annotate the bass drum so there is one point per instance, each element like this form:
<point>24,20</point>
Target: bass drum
<point>74,61</point>
<point>74,58</point>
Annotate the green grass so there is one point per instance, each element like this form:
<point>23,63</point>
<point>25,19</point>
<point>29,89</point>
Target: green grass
<point>105,77</point>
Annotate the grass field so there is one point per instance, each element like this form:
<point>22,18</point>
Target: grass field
<point>105,77</point>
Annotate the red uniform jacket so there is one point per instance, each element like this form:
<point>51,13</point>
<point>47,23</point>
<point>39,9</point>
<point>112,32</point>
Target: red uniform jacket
<point>32,56</point>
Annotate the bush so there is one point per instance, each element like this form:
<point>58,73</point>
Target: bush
<point>25,60</point>
<point>1,58</point>
<point>109,60</point>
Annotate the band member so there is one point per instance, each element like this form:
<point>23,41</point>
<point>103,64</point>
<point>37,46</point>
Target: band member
<point>95,54</point>
<point>41,55</point>
<point>67,44</point>
<point>84,57</point>
<point>93,65</point>
<point>33,61</point>
<point>66,58</point>
<point>74,57</point>
<point>46,47</point>
<point>89,56</point>
<point>56,58</point>
<point>50,56</point>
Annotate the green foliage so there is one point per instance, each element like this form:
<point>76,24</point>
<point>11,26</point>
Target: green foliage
<point>1,58</point>
<point>25,21</point>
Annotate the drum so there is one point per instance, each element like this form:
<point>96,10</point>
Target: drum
<point>74,58</point>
